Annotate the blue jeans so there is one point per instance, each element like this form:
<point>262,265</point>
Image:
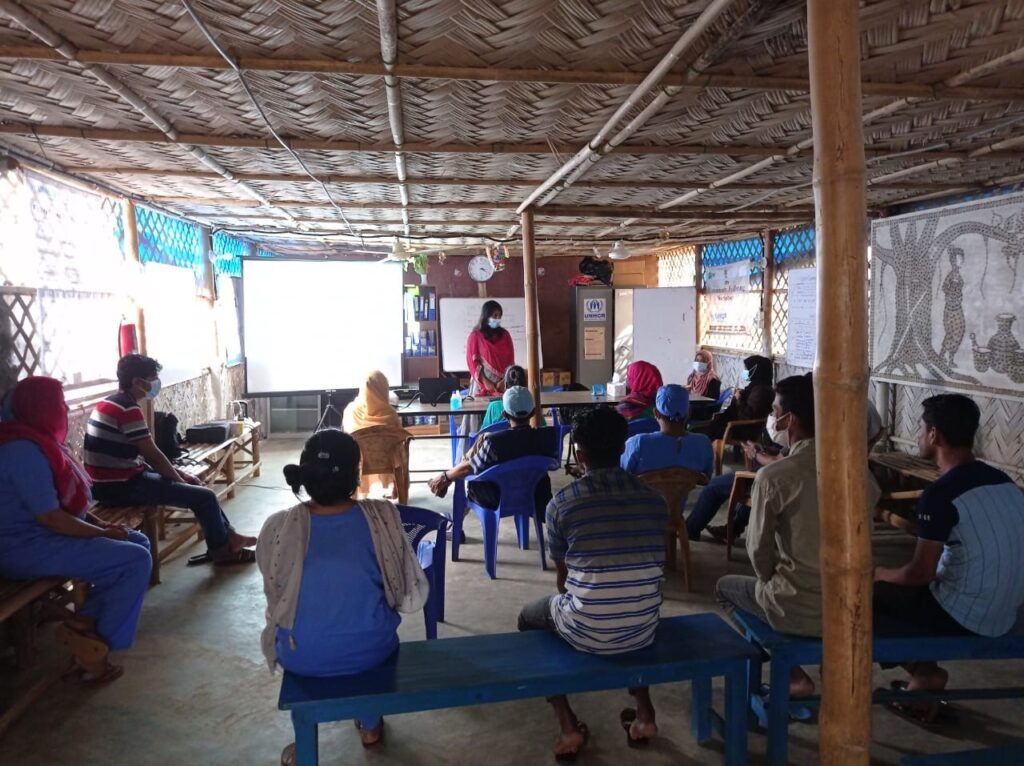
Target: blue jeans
<point>150,488</point>
<point>711,499</point>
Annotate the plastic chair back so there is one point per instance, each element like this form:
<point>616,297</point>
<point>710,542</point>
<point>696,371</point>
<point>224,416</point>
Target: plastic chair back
<point>418,523</point>
<point>385,452</point>
<point>642,426</point>
<point>498,425</point>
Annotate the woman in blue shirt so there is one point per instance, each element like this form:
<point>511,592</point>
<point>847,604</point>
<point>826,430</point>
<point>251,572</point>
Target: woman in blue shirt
<point>46,530</point>
<point>330,609</point>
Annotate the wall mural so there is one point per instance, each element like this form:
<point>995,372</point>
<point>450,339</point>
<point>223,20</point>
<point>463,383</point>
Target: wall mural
<point>947,297</point>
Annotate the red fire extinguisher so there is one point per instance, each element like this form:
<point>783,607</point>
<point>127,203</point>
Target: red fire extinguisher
<point>127,339</point>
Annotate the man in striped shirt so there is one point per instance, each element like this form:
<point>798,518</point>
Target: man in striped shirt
<point>127,468</point>
<point>606,535</point>
<point>965,577</point>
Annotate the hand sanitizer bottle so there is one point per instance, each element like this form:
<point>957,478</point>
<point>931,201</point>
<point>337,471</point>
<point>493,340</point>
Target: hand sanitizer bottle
<point>456,400</point>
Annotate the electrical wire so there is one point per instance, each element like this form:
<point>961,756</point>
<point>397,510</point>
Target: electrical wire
<point>449,235</point>
<point>248,92</point>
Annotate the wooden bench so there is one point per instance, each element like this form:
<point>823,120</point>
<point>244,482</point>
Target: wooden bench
<point>454,672</point>
<point>785,652</point>
<point>1008,755</point>
<point>16,600</point>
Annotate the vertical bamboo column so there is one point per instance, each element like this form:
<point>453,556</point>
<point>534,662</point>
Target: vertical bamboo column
<point>767,291</point>
<point>532,314</point>
<point>840,379</point>
<point>698,281</point>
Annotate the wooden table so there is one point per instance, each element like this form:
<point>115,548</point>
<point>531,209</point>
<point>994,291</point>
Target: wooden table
<point>910,466</point>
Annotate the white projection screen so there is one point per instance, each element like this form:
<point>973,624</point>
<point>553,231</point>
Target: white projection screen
<point>320,325</point>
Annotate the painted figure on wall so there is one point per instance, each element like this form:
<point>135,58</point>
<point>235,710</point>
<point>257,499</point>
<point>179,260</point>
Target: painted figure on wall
<point>953,314</point>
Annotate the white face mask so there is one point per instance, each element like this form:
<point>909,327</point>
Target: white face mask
<point>745,376</point>
<point>493,323</point>
<point>700,368</point>
<point>779,437</point>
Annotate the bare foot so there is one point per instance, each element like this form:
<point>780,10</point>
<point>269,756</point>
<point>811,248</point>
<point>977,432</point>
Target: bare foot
<point>240,541</point>
<point>800,684</point>
<point>569,742</point>
<point>643,729</point>
<point>370,736</point>
<point>929,679</point>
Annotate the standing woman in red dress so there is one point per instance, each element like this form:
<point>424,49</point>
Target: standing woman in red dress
<point>489,352</point>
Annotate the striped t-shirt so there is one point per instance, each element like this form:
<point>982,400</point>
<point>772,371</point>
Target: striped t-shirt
<point>977,512</point>
<point>609,528</point>
<point>114,427</point>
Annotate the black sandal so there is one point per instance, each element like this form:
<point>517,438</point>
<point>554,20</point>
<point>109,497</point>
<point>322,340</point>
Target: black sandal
<point>939,716</point>
<point>626,718</point>
<point>241,556</point>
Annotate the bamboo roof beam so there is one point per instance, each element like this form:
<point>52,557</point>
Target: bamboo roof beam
<point>937,92</point>
<point>69,54</point>
<point>1012,57</point>
<point>639,183</point>
<point>410,147</point>
<point>387,18</point>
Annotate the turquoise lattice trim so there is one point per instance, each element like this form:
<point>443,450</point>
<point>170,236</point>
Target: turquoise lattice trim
<point>721,253</point>
<point>793,244</point>
<point>163,239</point>
<point>228,252</point>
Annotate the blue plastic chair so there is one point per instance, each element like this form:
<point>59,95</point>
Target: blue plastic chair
<point>418,523</point>
<point>517,481</point>
<point>498,425</point>
<point>643,426</point>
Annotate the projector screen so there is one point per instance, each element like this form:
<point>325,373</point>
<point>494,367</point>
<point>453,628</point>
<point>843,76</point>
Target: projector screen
<point>320,325</point>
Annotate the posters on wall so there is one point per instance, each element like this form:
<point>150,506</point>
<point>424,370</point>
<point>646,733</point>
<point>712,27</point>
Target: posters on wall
<point>731,276</point>
<point>802,334</point>
<point>732,313</point>
<point>947,297</point>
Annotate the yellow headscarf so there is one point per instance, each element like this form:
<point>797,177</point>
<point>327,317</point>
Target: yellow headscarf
<point>371,406</point>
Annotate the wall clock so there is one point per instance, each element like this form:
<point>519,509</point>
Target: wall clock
<point>480,268</point>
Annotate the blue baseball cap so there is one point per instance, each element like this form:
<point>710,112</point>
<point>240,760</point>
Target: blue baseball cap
<point>673,401</point>
<point>517,401</point>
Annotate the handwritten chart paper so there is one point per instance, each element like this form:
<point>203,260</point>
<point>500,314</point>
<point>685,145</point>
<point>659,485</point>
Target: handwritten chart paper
<point>802,343</point>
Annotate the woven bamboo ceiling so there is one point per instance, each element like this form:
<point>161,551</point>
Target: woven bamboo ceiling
<point>436,119</point>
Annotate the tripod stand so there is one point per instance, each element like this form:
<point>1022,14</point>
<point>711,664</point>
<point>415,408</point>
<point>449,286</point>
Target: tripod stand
<point>330,408</point>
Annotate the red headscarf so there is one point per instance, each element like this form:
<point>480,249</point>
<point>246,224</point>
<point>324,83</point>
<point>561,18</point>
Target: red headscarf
<point>41,417</point>
<point>643,380</point>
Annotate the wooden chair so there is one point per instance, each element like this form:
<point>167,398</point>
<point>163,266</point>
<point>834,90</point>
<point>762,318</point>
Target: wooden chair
<point>736,432</point>
<point>740,495</point>
<point>385,452</point>
<point>674,484</point>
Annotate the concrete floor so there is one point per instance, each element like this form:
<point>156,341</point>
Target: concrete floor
<point>196,688</point>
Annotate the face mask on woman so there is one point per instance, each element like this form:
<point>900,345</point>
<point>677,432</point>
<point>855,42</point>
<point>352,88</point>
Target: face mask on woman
<point>700,367</point>
<point>493,323</point>
<point>772,427</point>
<point>745,375</point>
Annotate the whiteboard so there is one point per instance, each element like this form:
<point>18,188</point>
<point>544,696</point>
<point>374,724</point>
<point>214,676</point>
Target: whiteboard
<point>319,325</point>
<point>665,330</point>
<point>802,340</point>
<point>459,317</point>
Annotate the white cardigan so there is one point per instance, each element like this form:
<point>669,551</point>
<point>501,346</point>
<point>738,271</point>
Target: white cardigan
<point>281,552</point>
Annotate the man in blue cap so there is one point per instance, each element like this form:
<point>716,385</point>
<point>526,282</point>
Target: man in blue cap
<point>673,446</point>
<point>492,448</point>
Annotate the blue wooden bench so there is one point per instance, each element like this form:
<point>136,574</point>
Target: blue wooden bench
<point>1008,755</point>
<point>453,672</point>
<point>787,651</point>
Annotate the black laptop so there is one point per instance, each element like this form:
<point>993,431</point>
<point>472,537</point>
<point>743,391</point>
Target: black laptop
<point>437,390</point>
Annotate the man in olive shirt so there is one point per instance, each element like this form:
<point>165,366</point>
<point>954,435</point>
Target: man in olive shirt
<point>784,536</point>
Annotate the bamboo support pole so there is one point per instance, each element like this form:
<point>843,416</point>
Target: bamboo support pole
<point>698,281</point>
<point>840,380</point>
<point>502,74</point>
<point>767,292</point>
<point>532,312</point>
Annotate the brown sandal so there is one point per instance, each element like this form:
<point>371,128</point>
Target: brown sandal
<point>241,556</point>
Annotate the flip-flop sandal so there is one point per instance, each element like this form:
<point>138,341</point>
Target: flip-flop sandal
<point>801,713</point>
<point>571,757</point>
<point>80,676</point>
<point>626,718</point>
<point>380,739</point>
<point>241,556</point>
<point>943,714</point>
<point>288,755</point>
<point>85,648</point>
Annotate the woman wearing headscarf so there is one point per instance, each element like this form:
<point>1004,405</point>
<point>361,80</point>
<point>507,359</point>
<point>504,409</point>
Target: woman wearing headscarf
<point>46,530</point>
<point>704,381</point>
<point>371,407</point>
<point>643,380</point>
<point>753,402</point>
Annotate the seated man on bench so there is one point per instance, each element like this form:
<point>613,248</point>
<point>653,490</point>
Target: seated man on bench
<point>127,468</point>
<point>783,538</point>
<point>965,577</point>
<point>606,535</point>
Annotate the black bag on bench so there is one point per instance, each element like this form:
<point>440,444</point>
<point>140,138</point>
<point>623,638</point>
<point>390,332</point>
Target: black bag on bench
<point>209,433</point>
<point>166,436</point>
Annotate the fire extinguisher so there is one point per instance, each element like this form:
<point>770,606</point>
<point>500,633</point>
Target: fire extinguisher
<point>127,339</point>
